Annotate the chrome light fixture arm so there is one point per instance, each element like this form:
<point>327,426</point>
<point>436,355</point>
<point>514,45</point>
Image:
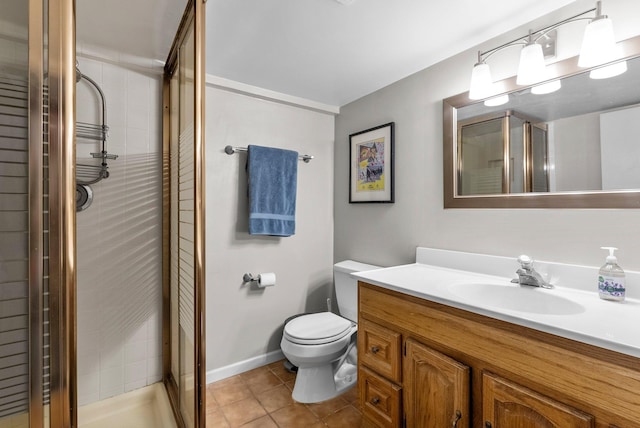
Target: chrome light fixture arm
<point>532,68</point>
<point>538,34</point>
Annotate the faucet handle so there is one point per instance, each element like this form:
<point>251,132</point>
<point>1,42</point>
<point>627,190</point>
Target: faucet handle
<point>525,261</point>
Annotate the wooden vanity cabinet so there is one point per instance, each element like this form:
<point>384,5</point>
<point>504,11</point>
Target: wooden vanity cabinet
<point>427,365</point>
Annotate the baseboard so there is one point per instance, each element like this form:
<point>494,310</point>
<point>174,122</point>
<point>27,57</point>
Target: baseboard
<point>243,366</point>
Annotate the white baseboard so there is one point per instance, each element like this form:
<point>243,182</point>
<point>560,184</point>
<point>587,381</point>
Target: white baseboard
<point>243,366</point>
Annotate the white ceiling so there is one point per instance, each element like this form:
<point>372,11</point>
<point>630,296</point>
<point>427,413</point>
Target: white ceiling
<point>320,50</point>
<point>139,28</point>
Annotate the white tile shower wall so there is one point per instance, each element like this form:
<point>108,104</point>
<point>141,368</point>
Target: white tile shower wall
<point>120,237</point>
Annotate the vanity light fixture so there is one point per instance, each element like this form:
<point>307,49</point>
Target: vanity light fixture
<point>497,101</point>
<point>546,88</point>
<point>481,81</point>
<point>598,48</point>
<point>532,67</point>
<point>608,70</point>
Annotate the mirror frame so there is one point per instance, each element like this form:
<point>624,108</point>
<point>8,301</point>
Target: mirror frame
<point>574,199</point>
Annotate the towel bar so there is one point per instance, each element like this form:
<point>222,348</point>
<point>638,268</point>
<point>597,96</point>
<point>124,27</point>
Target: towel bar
<point>231,150</point>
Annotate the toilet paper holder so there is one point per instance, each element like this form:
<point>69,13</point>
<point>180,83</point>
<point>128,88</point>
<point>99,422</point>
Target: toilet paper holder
<point>248,277</point>
<point>262,280</point>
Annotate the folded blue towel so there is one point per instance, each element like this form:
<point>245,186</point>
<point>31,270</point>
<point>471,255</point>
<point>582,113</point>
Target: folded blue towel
<point>272,175</point>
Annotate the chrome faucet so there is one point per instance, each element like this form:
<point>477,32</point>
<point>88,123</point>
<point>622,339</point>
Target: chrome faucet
<point>527,275</point>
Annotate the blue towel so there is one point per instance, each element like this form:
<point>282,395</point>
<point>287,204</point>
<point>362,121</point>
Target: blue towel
<point>272,175</point>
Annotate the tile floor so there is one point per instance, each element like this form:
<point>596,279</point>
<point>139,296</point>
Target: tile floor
<point>261,398</point>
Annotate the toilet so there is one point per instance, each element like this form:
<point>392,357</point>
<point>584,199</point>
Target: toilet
<point>323,345</point>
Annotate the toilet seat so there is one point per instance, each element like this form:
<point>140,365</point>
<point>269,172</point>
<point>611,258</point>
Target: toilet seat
<point>316,329</point>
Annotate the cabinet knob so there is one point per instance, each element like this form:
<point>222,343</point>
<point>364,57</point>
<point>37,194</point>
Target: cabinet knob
<point>456,418</point>
<point>487,424</point>
<point>375,349</point>
<point>375,401</point>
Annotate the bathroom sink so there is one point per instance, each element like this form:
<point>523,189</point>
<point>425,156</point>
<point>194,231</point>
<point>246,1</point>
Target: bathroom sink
<point>514,297</point>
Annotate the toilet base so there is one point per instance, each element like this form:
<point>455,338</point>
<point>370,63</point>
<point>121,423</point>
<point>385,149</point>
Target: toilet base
<point>315,384</point>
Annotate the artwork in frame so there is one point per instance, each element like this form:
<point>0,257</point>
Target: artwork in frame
<point>371,165</point>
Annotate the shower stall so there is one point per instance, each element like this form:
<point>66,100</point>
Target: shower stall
<point>101,303</point>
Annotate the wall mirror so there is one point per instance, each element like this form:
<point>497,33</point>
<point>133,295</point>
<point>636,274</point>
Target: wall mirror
<point>578,147</point>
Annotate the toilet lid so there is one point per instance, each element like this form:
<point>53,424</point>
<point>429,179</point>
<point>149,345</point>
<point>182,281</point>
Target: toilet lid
<point>313,329</point>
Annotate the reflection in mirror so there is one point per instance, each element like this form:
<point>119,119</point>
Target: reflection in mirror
<point>502,153</point>
<point>576,147</point>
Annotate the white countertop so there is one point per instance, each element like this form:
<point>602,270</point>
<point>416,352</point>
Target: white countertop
<point>579,315</point>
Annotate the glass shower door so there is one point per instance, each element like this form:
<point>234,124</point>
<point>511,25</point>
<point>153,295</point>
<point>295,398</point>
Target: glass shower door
<point>24,333</point>
<point>184,364</point>
<point>14,240</point>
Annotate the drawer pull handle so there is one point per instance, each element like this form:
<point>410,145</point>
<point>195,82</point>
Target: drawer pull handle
<point>375,349</point>
<point>375,401</point>
<point>456,418</point>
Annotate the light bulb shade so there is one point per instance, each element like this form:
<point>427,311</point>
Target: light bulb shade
<point>608,70</point>
<point>546,88</point>
<point>497,101</point>
<point>481,85</point>
<point>598,44</point>
<point>531,68</point>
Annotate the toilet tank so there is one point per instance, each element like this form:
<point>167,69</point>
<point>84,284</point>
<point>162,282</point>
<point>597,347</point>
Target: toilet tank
<point>347,286</point>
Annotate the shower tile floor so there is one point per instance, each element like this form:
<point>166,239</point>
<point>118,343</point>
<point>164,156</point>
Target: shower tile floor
<point>261,398</point>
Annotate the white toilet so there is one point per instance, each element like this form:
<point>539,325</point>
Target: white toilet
<point>323,345</point>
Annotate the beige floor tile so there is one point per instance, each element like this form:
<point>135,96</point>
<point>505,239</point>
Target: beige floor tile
<point>231,393</point>
<point>242,411</point>
<point>290,384</point>
<point>279,370</point>
<point>233,380</point>
<point>263,422</point>
<point>326,408</point>
<point>347,417</point>
<point>276,398</point>
<point>318,424</point>
<point>278,363</point>
<point>215,419</point>
<point>247,376</point>
<point>211,402</point>
<point>263,381</point>
<point>261,398</point>
<point>294,416</point>
<point>351,395</point>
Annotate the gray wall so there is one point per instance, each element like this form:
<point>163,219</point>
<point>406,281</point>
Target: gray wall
<point>244,323</point>
<point>387,234</point>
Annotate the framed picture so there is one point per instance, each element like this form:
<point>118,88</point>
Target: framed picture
<point>371,165</point>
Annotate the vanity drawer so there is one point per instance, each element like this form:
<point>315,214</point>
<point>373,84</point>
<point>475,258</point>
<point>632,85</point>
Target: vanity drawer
<point>379,348</point>
<point>380,400</point>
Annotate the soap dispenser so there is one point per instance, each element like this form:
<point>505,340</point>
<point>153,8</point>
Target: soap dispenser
<point>611,278</point>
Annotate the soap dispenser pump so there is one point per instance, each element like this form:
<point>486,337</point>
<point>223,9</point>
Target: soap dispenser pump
<point>611,278</point>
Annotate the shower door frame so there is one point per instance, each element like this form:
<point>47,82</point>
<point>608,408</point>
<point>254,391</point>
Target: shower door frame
<point>36,209</point>
<point>193,18</point>
<point>62,213</point>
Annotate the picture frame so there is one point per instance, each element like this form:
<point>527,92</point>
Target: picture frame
<point>371,177</point>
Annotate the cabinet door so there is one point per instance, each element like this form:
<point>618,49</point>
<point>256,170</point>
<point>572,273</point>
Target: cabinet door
<point>436,389</point>
<point>508,405</point>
